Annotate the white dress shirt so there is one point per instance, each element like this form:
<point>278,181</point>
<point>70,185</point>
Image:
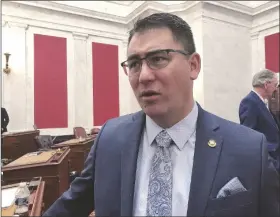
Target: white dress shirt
<point>184,135</point>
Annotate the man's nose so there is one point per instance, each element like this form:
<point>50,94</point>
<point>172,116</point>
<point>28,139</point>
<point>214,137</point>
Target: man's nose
<point>146,73</point>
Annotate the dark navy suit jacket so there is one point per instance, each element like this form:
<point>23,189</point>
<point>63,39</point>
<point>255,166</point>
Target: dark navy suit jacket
<point>107,182</point>
<point>254,114</point>
<point>4,120</point>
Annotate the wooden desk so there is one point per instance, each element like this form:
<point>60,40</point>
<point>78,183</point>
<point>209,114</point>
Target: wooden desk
<point>35,199</point>
<point>79,151</point>
<point>16,144</point>
<point>51,165</point>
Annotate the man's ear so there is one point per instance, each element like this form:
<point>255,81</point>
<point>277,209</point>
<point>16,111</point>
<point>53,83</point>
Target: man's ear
<point>195,65</point>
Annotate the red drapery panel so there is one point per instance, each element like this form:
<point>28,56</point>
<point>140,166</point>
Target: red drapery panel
<point>50,82</point>
<point>272,52</point>
<point>105,82</point>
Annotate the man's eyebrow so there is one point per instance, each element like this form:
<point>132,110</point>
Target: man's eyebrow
<point>133,56</point>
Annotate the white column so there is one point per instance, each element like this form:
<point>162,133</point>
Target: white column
<point>227,67</point>
<point>14,96</point>
<point>128,101</point>
<point>196,25</point>
<point>255,53</point>
<point>82,82</point>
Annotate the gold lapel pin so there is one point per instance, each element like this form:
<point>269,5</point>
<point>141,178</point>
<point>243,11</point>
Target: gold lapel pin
<point>212,143</point>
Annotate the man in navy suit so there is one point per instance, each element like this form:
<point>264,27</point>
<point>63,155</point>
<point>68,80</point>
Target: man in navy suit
<point>254,111</point>
<point>4,120</point>
<point>172,158</point>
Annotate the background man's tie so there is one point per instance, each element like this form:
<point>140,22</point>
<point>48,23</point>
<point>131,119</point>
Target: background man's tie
<point>159,202</point>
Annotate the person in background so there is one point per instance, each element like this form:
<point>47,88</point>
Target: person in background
<point>254,111</point>
<point>173,158</point>
<point>94,132</point>
<point>274,104</point>
<point>4,120</point>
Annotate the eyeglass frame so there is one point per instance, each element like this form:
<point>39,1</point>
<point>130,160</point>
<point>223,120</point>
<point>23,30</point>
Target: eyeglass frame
<point>149,54</point>
<point>277,85</point>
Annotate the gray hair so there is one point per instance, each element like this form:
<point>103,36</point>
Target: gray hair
<point>262,77</point>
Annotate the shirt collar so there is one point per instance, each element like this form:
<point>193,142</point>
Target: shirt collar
<point>262,99</point>
<point>265,101</point>
<point>180,132</point>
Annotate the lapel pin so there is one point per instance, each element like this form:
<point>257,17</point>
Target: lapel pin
<point>212,143</point>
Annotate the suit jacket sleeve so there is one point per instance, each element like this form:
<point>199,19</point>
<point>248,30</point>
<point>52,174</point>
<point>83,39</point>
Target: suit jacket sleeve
<point>78,200</point>
<point>270,191</point>
<point>248,115</point>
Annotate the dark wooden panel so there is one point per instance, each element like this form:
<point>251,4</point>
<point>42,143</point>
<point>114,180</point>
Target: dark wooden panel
<point>17,144</point>
<point>55,173</point>
<point>79,150</point>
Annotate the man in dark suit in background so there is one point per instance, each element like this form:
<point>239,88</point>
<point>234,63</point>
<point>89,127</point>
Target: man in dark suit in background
<point>255,114</point>
<point>4,120</point>
<point>172,158</point>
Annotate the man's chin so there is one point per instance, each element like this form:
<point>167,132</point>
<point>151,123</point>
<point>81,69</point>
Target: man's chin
<point>153,110</point>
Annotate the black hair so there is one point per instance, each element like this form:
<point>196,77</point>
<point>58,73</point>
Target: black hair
<point>180,29</point>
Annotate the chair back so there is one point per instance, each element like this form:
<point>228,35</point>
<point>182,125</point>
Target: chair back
<point>80,132</point>
<point>44,141</point>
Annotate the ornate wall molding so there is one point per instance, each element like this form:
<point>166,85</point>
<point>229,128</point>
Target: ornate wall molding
<point>215,10</point>
<point>255,35</point>
<point>80,36</point>
<point>265,7</point>
<point>265,26</point>
<point>71,10</point>
<point>135,12</point>
<point>61,27</point>
<point>18,24</point>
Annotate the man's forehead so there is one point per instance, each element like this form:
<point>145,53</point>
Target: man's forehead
<point>150,40</point>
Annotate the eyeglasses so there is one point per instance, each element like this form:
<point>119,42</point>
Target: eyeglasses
<point>155,60</point>
<point>277,85</point>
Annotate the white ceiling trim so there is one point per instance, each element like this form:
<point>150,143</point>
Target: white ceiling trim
<point>126,3</point>
<point>262,8</point>
<point>146,5</point>
<point>252,4</point>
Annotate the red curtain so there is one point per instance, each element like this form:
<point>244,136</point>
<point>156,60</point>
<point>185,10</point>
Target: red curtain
<point>105,72</point>
<point>272,52</point>
<point>50,82</point>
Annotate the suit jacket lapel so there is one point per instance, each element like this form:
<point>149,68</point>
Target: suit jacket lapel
<point>205,163</point>
<point>129,162</point>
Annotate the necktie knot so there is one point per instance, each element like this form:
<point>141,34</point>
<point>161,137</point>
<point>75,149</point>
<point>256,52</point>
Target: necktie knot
<point>163,139</point>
